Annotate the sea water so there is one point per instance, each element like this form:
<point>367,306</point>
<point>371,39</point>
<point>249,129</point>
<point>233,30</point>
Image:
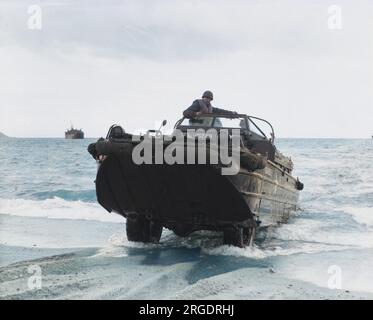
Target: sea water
<point>48,207</point>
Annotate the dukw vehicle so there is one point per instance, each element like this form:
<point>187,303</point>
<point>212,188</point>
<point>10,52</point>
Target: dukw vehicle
<point>189,197</point>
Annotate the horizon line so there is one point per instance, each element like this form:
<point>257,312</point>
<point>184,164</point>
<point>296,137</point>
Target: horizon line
<point>59,137</point>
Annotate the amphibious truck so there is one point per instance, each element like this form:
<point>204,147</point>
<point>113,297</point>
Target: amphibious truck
<point>186,196</point>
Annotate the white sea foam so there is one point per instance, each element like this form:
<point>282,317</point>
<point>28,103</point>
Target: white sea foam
<point>211,243</point>
<point>324,233</point>
<point>363,215</point>
<point>256,252</point>
<point>57,208</point>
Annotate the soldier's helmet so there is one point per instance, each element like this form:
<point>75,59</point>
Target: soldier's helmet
<point>208,94</point>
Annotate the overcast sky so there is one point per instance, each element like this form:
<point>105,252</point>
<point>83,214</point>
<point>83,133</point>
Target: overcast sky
<point>95,63</point>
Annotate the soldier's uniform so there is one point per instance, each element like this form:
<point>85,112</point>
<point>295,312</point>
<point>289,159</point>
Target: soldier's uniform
<point>204,106</point>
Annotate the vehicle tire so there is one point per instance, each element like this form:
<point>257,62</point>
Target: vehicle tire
<point>183,230</point>
<point>252,162</point>
<point>249,236</point>
<point>239,237</point>
<point>234,237</point>
<point>140,229</point>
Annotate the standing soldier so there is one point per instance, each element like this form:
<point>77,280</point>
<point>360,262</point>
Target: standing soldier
<point>201,106</point>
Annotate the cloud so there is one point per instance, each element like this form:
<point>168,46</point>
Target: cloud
<point>165,29</point>
<point>134,62</point>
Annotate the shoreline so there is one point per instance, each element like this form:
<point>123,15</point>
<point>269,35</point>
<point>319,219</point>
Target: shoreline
<point>97,273</point>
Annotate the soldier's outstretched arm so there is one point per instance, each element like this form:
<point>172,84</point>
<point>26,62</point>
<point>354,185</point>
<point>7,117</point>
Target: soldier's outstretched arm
<point>222,111</point>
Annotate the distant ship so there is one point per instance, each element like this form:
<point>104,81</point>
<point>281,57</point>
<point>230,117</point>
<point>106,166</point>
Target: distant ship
<point>74,133</point>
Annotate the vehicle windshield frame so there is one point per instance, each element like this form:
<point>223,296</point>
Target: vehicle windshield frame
<point>214,116</point>
<point>249,121</point>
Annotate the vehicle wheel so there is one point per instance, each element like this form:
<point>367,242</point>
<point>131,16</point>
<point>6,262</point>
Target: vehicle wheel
<point>182,230</point>
<point>234,237</point>
<point>239,237</point>
<point>140,229</point>
<point>249,236</point>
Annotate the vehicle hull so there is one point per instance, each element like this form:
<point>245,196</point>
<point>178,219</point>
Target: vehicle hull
<point>185,198</point>
<point>270,193</point>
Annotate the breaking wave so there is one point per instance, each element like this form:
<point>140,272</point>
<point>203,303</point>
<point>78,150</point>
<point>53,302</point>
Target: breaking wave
<point>57,208</point>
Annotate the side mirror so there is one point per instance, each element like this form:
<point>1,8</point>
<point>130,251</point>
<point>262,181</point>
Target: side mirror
<point>164,122</point>
<point>157,132</point>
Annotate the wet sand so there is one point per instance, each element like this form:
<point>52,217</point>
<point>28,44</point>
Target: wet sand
<point>155,273</point>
